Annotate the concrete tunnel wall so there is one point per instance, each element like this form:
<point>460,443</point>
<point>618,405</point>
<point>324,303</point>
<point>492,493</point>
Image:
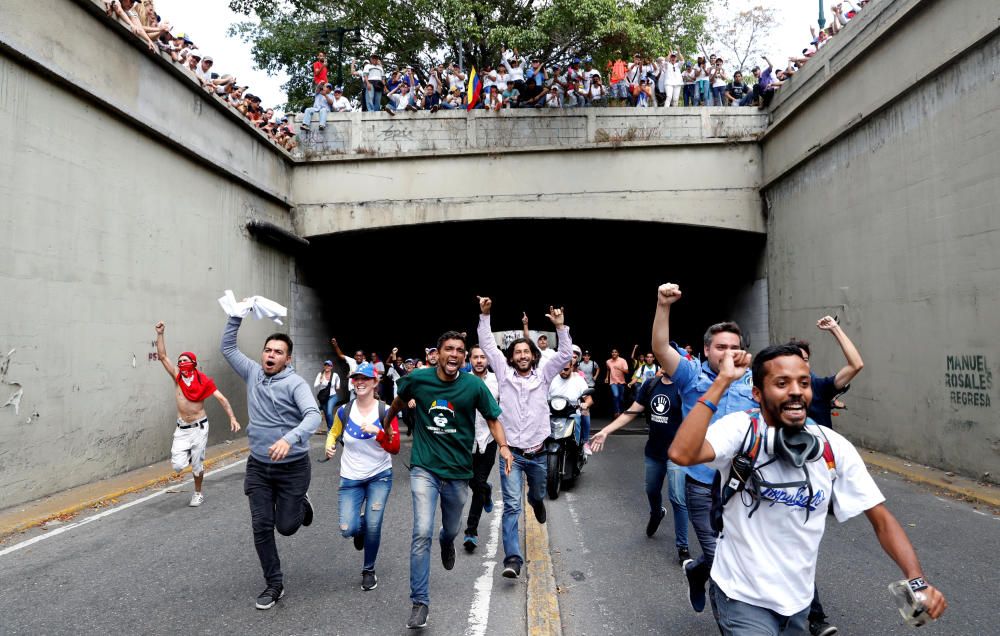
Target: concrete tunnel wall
<point>123,201</point>
<point>893,222</point>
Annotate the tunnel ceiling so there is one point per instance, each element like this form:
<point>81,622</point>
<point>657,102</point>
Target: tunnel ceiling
<point>405,286</point>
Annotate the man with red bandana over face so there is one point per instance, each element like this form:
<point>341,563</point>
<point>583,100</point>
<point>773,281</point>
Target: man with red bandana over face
<point>191,434</point>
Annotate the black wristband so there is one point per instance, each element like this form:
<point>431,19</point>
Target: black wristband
<point>917,584</point>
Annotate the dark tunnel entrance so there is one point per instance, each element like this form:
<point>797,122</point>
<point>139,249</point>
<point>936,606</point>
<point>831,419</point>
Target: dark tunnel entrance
<point>403,287</point>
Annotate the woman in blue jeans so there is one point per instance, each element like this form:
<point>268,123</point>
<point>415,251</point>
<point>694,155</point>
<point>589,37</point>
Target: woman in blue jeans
<point>365,467</point>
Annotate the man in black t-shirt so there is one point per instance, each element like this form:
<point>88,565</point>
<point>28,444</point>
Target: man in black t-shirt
<point>825,389</point>
<point>736,90</point>
<point>659,400</point>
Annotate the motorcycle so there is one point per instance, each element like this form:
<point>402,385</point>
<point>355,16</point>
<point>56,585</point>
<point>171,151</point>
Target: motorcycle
<point>565,457</point>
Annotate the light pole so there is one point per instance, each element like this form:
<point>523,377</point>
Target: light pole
<point>324,40</point>
<point>822,18</point>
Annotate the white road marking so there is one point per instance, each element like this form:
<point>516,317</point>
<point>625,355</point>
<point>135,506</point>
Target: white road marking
<point>108,512</point>
<point>479,613</point>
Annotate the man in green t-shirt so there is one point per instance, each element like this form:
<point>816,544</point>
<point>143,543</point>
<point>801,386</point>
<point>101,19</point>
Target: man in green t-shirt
<point>441,461</point>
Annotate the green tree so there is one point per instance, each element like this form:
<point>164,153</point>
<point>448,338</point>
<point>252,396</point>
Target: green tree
<point>424,32</point>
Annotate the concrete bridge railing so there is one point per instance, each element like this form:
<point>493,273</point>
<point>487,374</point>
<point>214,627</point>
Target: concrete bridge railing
<point>357,135</point>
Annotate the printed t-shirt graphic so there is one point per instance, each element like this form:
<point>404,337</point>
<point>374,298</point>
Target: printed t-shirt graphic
<point>445,429</point>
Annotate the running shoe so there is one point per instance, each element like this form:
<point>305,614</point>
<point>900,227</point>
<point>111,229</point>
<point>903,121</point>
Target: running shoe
<point>270,596</point>
<point>418,617</point>
<point>368,580</point>
<point>654,522</point>
<point>196,500</point>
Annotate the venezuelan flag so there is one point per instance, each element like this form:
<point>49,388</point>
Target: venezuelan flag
<point>475,87</point>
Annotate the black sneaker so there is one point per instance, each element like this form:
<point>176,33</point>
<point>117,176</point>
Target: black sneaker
<point>511,569</point>
<point>448,555</point>
<point>418,617</point>
<point>696,586</point>
<point>654,522</point>
<point>368,580</point>
<point>683,555</point>
<point>539,508</point>
<point>820,627</point>
<point>270,596</point>
<point>470,542</point>
<point>307,511</point>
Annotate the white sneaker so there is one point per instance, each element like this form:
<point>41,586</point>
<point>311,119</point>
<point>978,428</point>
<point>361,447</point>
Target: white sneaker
<point>196,500</point>
<point>587,451</point>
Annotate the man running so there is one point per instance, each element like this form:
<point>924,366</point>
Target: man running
<point>526,421</point>
<point>484,455</point>
<point>659,400</point>
<point>764,571</point>
<point>191,434</point>
<point>282,417</point>
<point>692,380</point>
<point>446,402</point>
<point>617,368</point>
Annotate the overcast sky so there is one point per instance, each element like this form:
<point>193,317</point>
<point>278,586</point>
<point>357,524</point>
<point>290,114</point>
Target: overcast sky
<point>206,22</point>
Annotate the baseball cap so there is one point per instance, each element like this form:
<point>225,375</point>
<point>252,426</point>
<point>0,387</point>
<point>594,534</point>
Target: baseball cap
<point>328,363</point>
<point>207,59</point>
<point>429,349</point>
<point>365,370</point>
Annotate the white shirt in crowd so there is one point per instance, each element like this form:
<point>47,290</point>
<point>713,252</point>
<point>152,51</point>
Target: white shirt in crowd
<point>319,383</point>
<point>363,457</point>
<point>570,388</point>
<point>341,105</point>
<point>673,72</point>
<point>374,72</point>
<point>719,79</point>
<point>769,560</point>
<point>483,435</point>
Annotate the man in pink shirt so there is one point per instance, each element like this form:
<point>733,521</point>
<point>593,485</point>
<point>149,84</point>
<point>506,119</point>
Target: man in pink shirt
<point>617,368</point>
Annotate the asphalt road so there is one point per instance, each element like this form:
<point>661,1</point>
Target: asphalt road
<point>612,579</point>
<point>159,567</point>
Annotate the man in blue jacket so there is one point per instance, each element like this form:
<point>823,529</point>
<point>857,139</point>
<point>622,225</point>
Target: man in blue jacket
<point>282,415</point>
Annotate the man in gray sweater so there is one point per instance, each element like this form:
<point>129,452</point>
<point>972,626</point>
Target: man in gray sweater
<point>282,415</point>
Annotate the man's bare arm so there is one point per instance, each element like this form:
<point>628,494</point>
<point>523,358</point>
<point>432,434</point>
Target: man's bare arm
<point>667,356</point>
<point>854,362</point>
<point>161,350</point>
<point>234,425</point>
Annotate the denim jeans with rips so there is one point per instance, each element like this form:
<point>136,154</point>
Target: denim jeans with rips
<point>363,501</point>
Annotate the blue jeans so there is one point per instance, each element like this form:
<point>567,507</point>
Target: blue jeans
<point>584,428</point>
<point>511,485</point>
<point>307,119</point>
<point>704,92</point>
<point>425,489</point>
<point>373,99</point>
<point>699,504</point>
<point>331,408</point>
<point>371,493</point>
<point>736,618</point>
<point>719,95</point>
<point>617,396</point>
<point>656,471</point>
<point>689,95</point>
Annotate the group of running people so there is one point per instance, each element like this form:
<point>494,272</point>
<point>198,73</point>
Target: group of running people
<point>765,443</point>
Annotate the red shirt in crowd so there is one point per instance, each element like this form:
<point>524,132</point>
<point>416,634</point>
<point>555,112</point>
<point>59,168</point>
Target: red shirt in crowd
<point>319,72</point>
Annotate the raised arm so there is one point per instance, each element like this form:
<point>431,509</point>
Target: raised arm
<point>551,368</point>
<point>667,356</point>
<point>524,325</point>
<point>161,351</point>
<point>242,365</point>
<point>486,340</point>
<point>689,446</point>
<point>854,361</point>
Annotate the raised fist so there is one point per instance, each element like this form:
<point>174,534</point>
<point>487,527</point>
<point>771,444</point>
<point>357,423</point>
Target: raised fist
<point>668,293</point>
<point>485,304</point>
<point>734,364</point>
<point>159,327</point>
<point>826,323</point>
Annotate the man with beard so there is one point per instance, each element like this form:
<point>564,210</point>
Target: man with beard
<point>483,456</point>
<point>282,416</point>
<point>446,402</point>
<point>526,421</point>
<point>692,379</point>
<point>764,571</point>
<point>191,434</point>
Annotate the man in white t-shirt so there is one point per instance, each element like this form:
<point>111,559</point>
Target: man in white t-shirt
<point>340,103</point>
<point>765,562</point>
<point>484,455</point>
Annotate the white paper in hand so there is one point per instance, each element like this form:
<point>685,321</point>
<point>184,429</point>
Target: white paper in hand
<point>260,306</point>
